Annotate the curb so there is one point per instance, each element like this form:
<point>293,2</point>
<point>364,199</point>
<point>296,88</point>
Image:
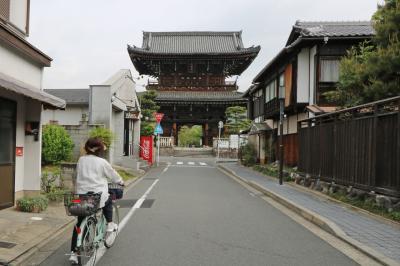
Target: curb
<point>29,253</point>
<point>349,206</point>
<point>317,219</point>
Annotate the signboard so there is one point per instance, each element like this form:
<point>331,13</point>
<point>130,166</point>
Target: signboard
<point>234,141</point>
<point>158,117</point>
<point>158,130</point>
<point>19,151</point>
<point>132,115</point>
<point>146,150</point>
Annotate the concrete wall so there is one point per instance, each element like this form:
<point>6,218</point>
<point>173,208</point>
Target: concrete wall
<point>72,115</point>
<point>100,107</point>
<point>117,149</point>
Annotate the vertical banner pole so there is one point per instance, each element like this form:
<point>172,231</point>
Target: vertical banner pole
<point>158,149</point>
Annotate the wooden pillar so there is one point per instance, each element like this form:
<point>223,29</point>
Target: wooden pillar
<point>175,134</point>
<point>205,134</point>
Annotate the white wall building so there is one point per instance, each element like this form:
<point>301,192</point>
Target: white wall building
<point>113,104</point>
<point>21,100</point>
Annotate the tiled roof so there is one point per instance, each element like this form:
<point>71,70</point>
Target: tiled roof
<point>193,42</point>
<point>331,29</point>
<point>199,96</point>
<point>71,96</point>
<point>316,32</point>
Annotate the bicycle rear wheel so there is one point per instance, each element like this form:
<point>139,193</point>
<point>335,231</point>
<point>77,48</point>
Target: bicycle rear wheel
<point>110,237</point>
<point>87,251</point>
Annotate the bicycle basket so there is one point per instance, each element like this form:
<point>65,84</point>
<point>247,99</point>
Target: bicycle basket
<point>116,191</point>
<point>81,204</point>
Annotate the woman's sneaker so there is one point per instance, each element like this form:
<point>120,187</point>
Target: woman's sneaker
<point>73,258</point>
<point>111,227</point>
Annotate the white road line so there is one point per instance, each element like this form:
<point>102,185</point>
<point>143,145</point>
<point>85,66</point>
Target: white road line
<point>179,163</point>
<point>201,163</point>
<point>190,163</point>
<point>102,250</point>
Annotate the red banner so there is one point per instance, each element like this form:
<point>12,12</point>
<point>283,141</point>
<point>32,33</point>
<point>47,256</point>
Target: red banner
<point>146,150</point>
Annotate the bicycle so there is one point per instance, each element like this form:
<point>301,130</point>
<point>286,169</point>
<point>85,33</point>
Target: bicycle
<point>91,232</point>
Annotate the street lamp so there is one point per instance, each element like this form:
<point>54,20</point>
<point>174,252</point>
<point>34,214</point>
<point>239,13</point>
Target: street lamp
<point>281,114</point>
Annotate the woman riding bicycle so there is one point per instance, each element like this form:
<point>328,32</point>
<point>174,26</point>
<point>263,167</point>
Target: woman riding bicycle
<point>93,175</point>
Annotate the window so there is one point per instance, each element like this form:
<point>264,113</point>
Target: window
<point>282,85</point>
<point>329,70</point>
<point>5,9</point>
<point>270,91</point>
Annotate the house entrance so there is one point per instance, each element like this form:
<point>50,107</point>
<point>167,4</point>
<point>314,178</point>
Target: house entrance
<point>7,152</point>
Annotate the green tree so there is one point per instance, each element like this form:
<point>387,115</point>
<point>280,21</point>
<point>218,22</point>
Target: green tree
<point>236,119</point>
<point>371,71</point>
<point>57,144</point>
<point>105,134</point>
<point>189,136</point>
<point>148,106</point>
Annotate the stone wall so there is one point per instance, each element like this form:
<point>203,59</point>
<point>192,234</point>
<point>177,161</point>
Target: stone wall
<point>79,135</point>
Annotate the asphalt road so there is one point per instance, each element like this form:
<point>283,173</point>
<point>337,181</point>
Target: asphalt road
<point>200,216</point>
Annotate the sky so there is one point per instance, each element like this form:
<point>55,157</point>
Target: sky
<point>88,39</point>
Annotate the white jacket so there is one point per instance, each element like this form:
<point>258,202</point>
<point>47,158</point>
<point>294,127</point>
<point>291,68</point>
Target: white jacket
<point>94,174</point>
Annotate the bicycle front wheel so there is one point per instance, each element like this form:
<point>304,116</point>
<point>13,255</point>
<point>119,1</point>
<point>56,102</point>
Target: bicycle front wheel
<point>110,237</point>
<point>87,251</point>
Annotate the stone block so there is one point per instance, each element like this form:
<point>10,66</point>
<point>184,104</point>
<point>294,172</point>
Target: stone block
<point>333,188</point>
<point>383,201</point>
<point>325,187</point>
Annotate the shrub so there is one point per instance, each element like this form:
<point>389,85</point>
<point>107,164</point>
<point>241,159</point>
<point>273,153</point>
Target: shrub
<point>50,175</point>
<point>57,145</point>
<point>32,204</point>
<point>105,134</point>
<point>248,155</point>
<point>56,194</point>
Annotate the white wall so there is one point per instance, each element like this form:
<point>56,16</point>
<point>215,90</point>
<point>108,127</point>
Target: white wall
<point>18,67</point>
<point>18,13</point>
<point>290,123</point>
<point>72,115</point>
<point>32,149</point>
<point>303,75</point>
<point>313,52</point>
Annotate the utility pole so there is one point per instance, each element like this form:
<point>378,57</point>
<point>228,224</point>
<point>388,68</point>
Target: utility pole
<point>281,113</point>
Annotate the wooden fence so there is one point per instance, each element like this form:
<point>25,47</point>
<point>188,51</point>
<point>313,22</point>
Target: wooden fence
<point>359,147</point>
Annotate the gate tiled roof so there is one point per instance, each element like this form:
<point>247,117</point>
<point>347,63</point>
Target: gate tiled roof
<point>194,42</point>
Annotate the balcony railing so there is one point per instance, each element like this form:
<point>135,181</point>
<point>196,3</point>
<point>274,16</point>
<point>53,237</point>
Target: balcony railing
<point>271,108</point>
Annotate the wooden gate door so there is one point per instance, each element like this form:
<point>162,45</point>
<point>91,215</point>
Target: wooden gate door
<point>7,152</point>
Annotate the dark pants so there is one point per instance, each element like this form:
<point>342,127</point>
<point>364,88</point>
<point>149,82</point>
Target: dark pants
<point>108,214</point>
